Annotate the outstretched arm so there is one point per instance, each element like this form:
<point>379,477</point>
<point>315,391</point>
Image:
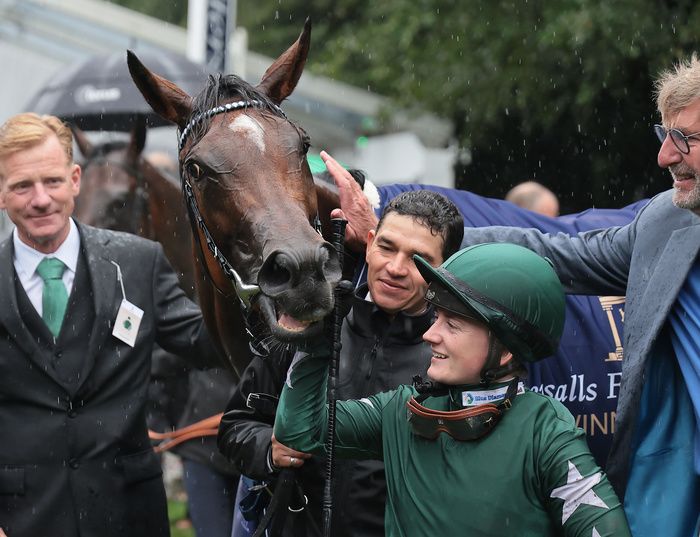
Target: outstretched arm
<point>180,328</point>
<point>302,415</point>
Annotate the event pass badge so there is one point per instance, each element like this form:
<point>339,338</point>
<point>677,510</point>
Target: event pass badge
<point>126,325</point>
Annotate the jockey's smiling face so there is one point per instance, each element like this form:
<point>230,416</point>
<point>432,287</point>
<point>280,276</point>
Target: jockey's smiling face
<point>460,346</point>
<point>393,279</point>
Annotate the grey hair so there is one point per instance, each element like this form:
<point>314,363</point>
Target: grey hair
<point>678,87</point>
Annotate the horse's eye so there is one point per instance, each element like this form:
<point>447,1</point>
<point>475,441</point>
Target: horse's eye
<point>194,171</point>
<point>305,143</point>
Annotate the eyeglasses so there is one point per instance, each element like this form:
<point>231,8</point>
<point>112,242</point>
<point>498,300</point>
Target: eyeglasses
<point>679,139</point>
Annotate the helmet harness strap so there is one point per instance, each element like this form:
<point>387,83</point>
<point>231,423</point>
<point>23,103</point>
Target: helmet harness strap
<point>492,366</point>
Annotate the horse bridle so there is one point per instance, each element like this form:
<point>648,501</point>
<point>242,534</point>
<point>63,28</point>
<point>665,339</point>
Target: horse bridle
<point>244,291</point>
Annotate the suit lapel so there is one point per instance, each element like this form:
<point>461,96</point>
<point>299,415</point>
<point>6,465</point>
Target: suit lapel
<point>9,313</point>
<point>665,283</point>
<point>103,281</point>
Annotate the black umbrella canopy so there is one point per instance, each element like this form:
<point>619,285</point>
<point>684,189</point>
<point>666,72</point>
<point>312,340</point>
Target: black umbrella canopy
<point>98,93</point>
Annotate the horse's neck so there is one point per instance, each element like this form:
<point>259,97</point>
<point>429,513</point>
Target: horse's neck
<point>327,200</point>
<point>169,224</point>
<point>224,320</point>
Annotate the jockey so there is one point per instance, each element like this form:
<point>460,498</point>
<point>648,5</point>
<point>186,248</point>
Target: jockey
<point>471,451</point>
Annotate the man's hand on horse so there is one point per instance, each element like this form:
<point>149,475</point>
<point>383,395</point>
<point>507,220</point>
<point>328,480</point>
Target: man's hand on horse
<point>284,457</point>
<point>354,206</point>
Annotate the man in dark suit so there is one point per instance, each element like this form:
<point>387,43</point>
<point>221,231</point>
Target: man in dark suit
<point>80,311</point>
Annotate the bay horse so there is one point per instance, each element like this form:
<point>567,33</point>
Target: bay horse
<point>256,222</point>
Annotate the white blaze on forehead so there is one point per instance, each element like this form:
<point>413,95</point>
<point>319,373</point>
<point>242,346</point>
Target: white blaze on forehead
<point>246,126</point>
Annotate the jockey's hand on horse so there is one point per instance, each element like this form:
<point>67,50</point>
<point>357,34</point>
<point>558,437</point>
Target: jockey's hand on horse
<point>284,457</point>
<point>354,205</point>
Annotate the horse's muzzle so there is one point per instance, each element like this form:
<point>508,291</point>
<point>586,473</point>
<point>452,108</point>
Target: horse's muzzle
<point>287,270</point>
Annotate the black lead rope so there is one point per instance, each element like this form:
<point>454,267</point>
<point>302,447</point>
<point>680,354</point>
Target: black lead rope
<point>338,241</point>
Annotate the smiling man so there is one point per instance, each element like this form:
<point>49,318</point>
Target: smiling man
<point>81,309</point>
<point>381,348</point>
<point>395,285</point>
<point>38,192</point>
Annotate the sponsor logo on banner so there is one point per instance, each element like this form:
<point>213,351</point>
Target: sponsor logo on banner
<point>599,393</point>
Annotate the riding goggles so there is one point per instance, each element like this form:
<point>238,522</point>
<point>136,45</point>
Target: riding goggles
<point>465,425</point>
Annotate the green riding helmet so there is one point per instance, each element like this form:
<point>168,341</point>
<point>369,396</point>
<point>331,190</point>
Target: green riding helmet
<point>514,291</point>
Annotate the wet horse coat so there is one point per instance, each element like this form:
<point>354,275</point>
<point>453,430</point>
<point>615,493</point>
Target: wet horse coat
<point>253,205</point>
<point>123,190</point>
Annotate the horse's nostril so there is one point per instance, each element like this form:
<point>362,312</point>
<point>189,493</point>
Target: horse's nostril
<point>276,274</point>
<point>302,269</point>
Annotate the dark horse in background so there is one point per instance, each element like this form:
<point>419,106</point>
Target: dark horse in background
<point>125,191</point>
<point>265,267</point>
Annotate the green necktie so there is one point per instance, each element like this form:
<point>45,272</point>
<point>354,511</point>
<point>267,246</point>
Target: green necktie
<point>54,298</point>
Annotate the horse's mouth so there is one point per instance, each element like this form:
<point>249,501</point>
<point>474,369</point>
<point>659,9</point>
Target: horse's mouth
<point>287,322</point>
<point>285,327</point>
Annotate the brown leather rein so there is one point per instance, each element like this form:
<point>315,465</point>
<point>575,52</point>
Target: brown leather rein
<point>206,427</point>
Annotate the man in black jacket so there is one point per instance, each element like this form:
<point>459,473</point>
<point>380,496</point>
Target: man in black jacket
<point>381,348</point>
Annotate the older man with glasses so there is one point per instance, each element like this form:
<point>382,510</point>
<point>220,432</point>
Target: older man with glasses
<point>655,460</point>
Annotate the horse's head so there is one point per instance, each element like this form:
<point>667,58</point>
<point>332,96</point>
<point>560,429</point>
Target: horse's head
<point>111,193</point>
<point>244,164</point>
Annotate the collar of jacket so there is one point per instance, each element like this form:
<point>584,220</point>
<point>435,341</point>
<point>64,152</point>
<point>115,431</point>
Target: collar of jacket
<point>367,319</point>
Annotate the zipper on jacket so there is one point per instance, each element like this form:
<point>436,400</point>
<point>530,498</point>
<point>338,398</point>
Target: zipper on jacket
<point>373,356</point>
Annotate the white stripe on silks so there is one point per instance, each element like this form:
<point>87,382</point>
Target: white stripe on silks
<point>577,490</point>
<point>366,401</point>
<point>595,533</point>
<point>298,357</point>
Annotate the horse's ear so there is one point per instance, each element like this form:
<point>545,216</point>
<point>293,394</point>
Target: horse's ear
<point>86,148</point>
<point>137,140</point>
<point>281,77</point>
<point>166,99</point>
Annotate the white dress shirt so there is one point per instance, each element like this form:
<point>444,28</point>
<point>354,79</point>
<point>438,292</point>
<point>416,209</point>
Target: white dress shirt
<point>26,260</point>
